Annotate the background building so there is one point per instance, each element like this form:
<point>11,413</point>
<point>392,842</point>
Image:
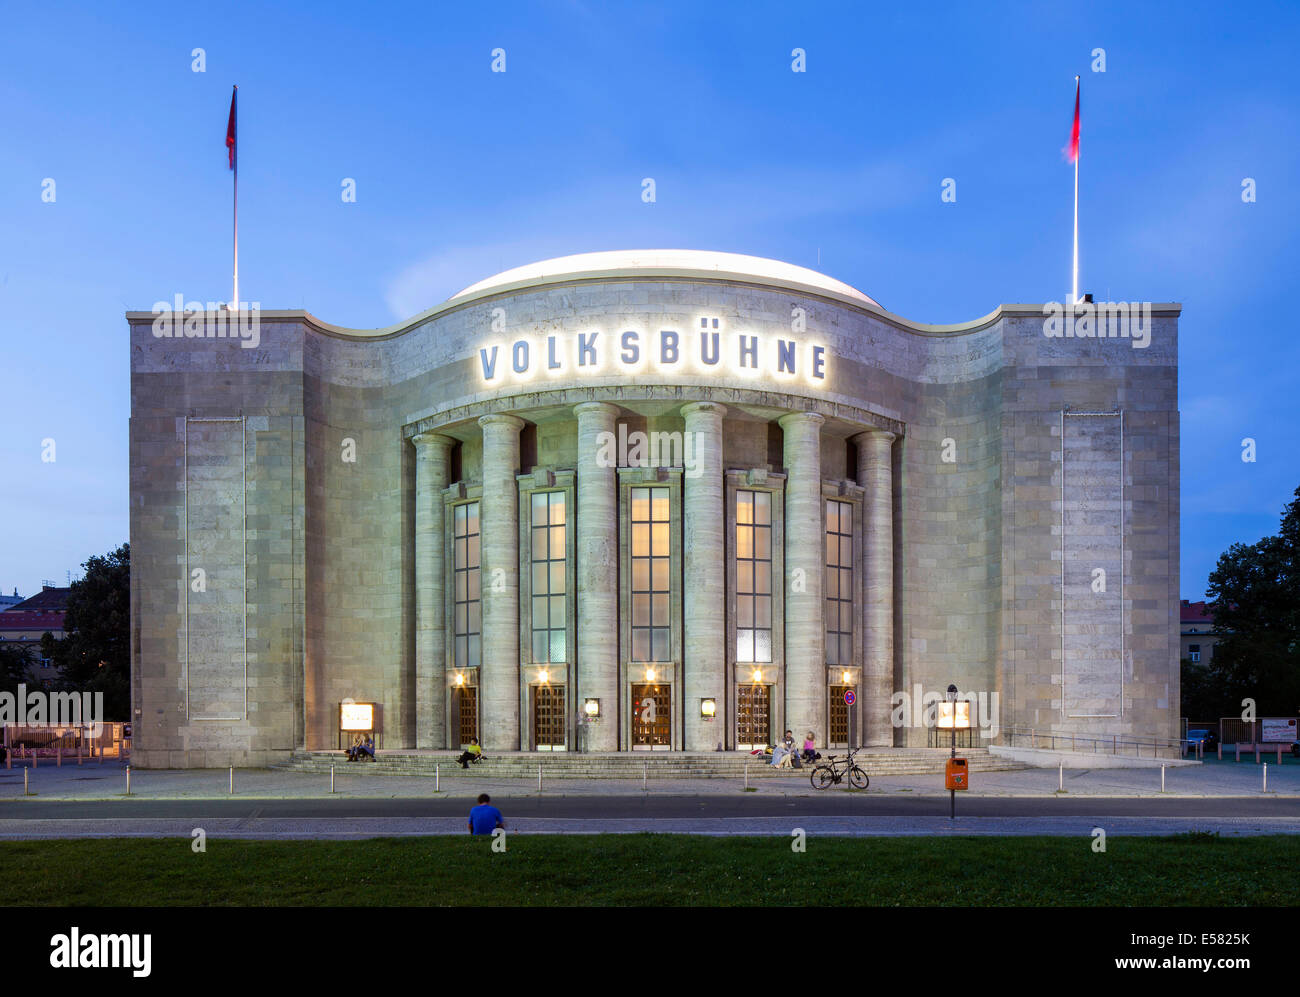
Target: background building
<point>1196,631</point>
<point>699,495</point>
<point>9,601</point>
<point>24,622</point>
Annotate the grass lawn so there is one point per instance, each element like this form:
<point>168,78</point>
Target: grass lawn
<point>650,869</point>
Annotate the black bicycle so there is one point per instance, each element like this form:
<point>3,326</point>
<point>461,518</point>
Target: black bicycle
<point>823,776</point>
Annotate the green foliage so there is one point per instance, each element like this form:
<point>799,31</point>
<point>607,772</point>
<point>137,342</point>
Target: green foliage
<point>95,653</point>
<point>14,662</point>
<point>1204,693</point>
<point>1256,593</point>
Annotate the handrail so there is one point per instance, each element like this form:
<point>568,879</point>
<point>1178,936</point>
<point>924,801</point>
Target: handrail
<point>1114,744</point>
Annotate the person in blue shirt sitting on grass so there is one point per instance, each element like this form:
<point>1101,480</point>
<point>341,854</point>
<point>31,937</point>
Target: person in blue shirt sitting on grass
<point>485,818</point>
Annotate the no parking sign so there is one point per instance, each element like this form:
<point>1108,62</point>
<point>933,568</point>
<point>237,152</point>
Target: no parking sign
<point>849,698</point>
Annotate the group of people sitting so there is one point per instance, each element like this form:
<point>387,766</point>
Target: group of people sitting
<point>786,755</point>
<point>361,748</point>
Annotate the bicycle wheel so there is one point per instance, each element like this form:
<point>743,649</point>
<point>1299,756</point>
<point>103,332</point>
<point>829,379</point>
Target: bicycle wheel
<point>858,779</point>
<point>821,777</point>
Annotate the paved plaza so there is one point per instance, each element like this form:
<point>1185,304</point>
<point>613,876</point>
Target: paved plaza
<point>90,801</point>
<point>93,781</point>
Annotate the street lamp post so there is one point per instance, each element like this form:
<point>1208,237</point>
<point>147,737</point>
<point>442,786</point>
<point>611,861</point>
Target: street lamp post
<point>952,793</point>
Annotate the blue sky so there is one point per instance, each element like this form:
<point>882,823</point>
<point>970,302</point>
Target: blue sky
<point>461,172</point>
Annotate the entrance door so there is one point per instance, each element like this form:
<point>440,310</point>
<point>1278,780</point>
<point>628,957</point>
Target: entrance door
<point>651,717</point>
<point>549,717</point>
<point>839,717</point>
<point>753,716</point>
<point>464,705</point>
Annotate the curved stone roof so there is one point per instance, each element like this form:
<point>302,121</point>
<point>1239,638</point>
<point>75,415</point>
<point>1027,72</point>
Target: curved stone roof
<point>666,261</point>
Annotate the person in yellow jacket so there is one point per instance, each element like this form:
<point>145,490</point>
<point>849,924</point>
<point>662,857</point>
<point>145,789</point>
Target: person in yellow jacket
<point>471,754</point>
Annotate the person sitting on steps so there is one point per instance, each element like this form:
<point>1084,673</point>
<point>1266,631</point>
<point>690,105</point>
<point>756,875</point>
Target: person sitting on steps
<point>810,753</point>
<point>366,748</point>
<point>471,754</point>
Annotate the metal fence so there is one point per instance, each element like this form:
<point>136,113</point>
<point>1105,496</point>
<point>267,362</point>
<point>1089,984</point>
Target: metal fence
<point>1234,730</point>
<point>1113,744</point>
<point>63,741</point>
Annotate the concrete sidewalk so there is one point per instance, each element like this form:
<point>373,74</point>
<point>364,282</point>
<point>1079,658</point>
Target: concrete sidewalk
<point>108,781</point>
<point>359,828</point>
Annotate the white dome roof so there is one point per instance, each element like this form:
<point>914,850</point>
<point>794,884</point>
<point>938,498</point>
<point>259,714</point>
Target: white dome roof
<point>659,260</point>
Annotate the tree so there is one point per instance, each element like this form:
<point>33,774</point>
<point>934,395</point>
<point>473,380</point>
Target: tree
<point>1256,593</point>
<point>95,653</point>
<point>1204,696</point>
<point>15,659</point>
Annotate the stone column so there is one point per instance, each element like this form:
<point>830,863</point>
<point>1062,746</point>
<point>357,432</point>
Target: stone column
<point>876,476</point>
<point>704,579</point>
<point>499,526</point>
<point>596,600</point>
<point>805,566</point>
<point>432,458</point>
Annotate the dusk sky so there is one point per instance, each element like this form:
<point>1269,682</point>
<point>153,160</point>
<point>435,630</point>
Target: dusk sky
<point>461,172</point>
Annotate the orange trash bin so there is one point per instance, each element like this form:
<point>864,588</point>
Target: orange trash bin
<point>955,774</point>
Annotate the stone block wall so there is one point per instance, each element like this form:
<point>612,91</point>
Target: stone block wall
<point>326,503</point>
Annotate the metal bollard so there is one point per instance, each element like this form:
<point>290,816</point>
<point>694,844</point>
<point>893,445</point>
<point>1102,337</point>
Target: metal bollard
<point>1060,778</point>
<point>331,778</point>
<point>128,780</point>
<point>539,777</point>
<point>58,758</point>
<point>1266,777</point>
<point>437,778</point>
<point>645,769</point>
<point>746,772</point>
<point>1162,778</point>
<point>232,780</point>
<point>25,793</point>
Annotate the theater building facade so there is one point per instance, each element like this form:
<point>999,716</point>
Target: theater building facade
<point>659,501</point>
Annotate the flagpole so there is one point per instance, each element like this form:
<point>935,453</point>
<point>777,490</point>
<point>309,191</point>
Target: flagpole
<point>236,232</point>
<point>1074,288</point>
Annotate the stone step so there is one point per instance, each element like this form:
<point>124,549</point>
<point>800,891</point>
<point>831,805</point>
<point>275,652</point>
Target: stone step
<point>629,765</point>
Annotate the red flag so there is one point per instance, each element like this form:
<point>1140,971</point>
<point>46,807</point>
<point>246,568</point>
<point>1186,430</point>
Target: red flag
<point>230,128</point>
<point>1074,132</point>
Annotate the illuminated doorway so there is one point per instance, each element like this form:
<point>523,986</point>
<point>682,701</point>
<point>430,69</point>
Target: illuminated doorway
<point>753,716</point>
<point>651,717</point>
<point>549,717</point>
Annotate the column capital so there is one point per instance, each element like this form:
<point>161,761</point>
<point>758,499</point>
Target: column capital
<point>801,418</point>
<point>595,408</point>
<point>703,408</point>
<point>873,435</point>
<point>501,419</point>
<point>423,440</point>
